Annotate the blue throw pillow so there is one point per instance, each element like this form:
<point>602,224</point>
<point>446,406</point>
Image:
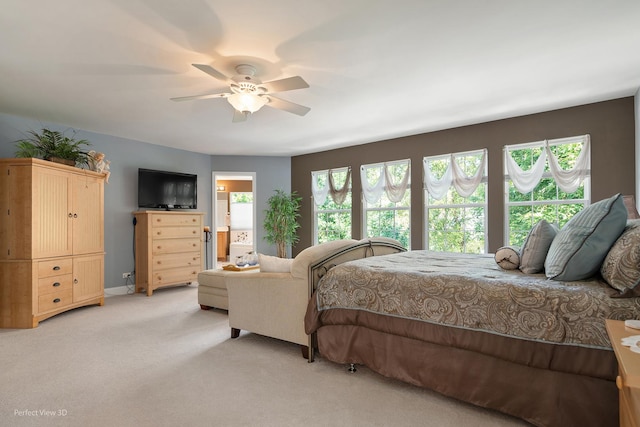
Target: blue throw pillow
<point>579,248</point>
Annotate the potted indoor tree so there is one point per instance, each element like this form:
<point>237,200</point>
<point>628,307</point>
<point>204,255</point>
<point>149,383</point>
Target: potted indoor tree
<point>280,222</point>
<point>53,146</point>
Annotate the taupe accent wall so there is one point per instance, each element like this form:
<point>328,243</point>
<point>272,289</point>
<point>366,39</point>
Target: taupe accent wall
<point>611,125</point>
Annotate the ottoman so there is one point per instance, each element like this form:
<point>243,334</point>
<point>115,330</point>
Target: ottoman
<point>212,287</point>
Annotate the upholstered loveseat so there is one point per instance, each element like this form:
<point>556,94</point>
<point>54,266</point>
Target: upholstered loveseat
<point>273,301</point>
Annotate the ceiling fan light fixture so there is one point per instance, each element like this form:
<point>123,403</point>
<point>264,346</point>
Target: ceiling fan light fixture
<point>247,102</point>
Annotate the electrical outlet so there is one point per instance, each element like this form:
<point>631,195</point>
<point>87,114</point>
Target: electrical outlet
<point>126,275</point>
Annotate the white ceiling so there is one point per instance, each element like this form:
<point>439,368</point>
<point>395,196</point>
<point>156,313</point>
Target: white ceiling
<point>376,69</point>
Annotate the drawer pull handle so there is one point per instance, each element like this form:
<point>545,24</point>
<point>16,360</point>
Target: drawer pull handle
<point>57,300</point>
<point>70,215</point>
<point>75,281</point>
<point>159,233</point>
<point>75,215</point>
<point>56,284</point>
<point>56,268</point>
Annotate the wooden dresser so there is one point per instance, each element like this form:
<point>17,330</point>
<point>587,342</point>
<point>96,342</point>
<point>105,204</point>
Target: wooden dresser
<point>628,380</point>
<point>169,248</point>
<point>51,240</point>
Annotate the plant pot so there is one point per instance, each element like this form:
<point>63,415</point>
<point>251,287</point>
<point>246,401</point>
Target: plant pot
<point>63,161</point>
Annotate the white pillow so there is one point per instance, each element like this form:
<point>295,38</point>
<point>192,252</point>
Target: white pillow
<point>274,264</point>
<point>508,257</point>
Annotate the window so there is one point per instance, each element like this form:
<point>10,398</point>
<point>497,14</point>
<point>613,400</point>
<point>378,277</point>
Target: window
<point>332,215</point>
<point>545,180</point>
<point>241,210</point>
<point>456,202</point>
<point>387,200</point>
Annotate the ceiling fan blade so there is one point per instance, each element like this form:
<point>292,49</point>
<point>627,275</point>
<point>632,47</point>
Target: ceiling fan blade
<point>211,71</point>
<point>290,83</point>
<point>239,116</point>
<point>205,96</point>
<point>289,106</point>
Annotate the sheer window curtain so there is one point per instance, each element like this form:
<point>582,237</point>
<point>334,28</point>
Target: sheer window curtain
<point>337,194</point>
<point>567,180</point>
<point>384,182</point>
<point>453,176</point>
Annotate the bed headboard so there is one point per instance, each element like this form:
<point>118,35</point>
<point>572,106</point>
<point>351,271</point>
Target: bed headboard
<point>364,248</point>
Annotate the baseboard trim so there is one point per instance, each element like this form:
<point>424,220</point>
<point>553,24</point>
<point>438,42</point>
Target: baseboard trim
<point>116,290</point>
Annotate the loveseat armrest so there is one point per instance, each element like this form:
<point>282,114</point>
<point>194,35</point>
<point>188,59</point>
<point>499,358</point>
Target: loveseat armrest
<point>271,304</point>
<point>312,254</point>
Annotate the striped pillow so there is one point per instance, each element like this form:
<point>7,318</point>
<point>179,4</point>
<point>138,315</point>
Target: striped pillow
<point>582,244</point>
<point>535,247</point>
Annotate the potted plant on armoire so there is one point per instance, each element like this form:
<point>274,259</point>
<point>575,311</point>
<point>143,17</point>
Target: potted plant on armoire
<point>281,220</point>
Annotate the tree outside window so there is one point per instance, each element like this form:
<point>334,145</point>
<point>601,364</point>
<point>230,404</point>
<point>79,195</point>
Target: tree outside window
<point>384,217</point>
<point>455,223</point>
<point>547,200</point>
<point>332,221</point>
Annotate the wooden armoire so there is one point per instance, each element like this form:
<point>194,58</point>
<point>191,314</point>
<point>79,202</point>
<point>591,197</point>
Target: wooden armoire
<point>51,240</point>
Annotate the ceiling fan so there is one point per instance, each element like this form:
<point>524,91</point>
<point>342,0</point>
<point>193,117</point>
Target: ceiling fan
<point>248,94</point>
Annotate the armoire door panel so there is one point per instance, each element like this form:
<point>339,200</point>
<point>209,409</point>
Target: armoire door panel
<point>88,277</point>
<point>88,211</point>
<point>52,226</point>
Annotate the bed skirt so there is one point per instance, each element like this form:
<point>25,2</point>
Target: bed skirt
<point>545,384</point>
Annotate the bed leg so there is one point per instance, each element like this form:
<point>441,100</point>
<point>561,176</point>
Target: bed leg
<point>305,351</point>
<point>352,368</point>
<point>235,333</point>
<point>311,348</point>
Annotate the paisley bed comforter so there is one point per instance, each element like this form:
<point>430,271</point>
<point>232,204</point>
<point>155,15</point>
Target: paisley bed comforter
<point>472,292</point>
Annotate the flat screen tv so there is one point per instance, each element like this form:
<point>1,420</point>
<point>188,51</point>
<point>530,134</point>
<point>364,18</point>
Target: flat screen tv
<point>167,190</point>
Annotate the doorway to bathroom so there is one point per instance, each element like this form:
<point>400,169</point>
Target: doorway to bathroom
<point>234,212</point>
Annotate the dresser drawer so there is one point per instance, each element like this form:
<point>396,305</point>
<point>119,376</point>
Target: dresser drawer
<point>56,267</point>
<point>164,220</point>
<point>175,275</point>
<point>173,232</point>
<point>55,300</point>
<point>172,246</point>
<point>187,259</point>
<point>54,284</point>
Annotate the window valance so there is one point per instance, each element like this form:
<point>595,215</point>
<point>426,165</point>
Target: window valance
<point>383,181</point>
<point>567,180</point>
<point>454,176</point>
<point>337,194</point>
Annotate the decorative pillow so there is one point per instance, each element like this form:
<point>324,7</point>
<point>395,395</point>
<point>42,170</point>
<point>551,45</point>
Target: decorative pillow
<point>508,257</point>
<point>621,267</point>
<point>535,247</point>
<point>273,264</point>
<point>582,244</point>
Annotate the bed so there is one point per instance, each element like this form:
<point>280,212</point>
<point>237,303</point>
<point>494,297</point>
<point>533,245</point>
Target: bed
<point>459,324</point>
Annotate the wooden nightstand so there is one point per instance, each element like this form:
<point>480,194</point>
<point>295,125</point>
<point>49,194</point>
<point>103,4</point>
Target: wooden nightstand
<point>628,380</point>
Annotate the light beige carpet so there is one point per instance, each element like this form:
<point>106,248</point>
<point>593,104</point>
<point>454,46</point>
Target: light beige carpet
<point>161,361</point>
